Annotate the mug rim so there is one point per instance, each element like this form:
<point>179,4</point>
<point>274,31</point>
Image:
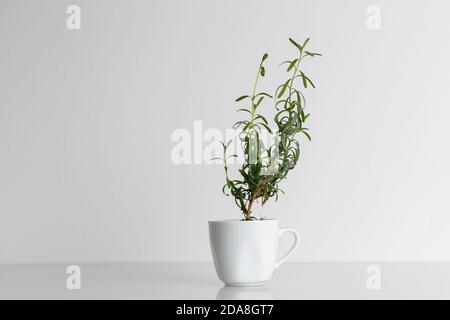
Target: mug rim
<point>242,221</point>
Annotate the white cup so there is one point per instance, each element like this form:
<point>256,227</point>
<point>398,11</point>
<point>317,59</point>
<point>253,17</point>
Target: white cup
<point>245,252</point>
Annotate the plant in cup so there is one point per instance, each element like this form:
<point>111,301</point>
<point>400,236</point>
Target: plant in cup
<point>264,167</point>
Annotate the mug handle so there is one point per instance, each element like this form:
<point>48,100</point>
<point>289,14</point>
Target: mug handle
<point>291,250</point>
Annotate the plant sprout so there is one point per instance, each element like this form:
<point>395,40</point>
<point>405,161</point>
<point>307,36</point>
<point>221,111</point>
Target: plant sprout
<point>264,168</point>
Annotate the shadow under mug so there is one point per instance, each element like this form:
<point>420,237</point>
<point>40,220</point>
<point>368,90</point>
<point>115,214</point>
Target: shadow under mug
<point>244,293</point>
<point>245,252</point>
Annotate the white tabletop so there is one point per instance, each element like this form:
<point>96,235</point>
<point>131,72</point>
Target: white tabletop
<point>199,281</point>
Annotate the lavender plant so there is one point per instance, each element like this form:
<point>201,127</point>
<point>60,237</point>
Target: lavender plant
<point>264,167</point>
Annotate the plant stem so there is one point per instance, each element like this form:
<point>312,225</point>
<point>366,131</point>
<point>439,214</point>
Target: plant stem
<point>225,163</point>
<point>253,95</point>
<point>249,208</point>
<point>294,74</point>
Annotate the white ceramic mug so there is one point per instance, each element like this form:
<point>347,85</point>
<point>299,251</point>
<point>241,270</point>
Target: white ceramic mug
<point>245,252</point>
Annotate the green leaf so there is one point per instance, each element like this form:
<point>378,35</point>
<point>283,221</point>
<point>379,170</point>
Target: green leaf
<point>299,100</point>
<point>292,65</point>
<point>305,83</point>
<point>306,133</point>
<point>262,118</point>
<point>243,174</point>
<point>267,127</point>
<point>312,54</point>
<point>244,110</point>
<point>302,113</point>
<point>295,43</point>
<point>265,56</point>
<point>304,43</point>
<point>283,89</point>
<point>223,189</point>
<point>305,78</point>
<point>242,98</point>
<point>280,101</point>
<point>239,123</point>
<point>264,94</point>
<point>284,62</point>
<point>259,102</point>
<point>263,71</point>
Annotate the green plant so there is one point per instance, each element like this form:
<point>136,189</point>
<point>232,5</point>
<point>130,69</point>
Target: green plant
<point>264,168</point>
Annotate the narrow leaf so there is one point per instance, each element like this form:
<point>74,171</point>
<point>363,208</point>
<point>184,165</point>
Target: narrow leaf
<point>267,127</point>
<point>307,135</point>
<point>262,118</point>
<point>242,98</point>
<point>305,83</point>
<point>284,62</point>
<point>305,78</point>
<point>312,54</point>
<point>244,110</point>
<point>295,43</point>
<point>302,113</point>
<point>292,65</point>
<point>264,94</point>
<point>263,71</point>
<point>304,43</point>
<point>283,89</point>
<point>259,102</point>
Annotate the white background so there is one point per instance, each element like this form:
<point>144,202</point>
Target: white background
<point>86,118</point>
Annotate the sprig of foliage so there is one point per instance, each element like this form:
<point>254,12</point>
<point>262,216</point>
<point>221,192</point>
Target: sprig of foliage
<point>264,168</point>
